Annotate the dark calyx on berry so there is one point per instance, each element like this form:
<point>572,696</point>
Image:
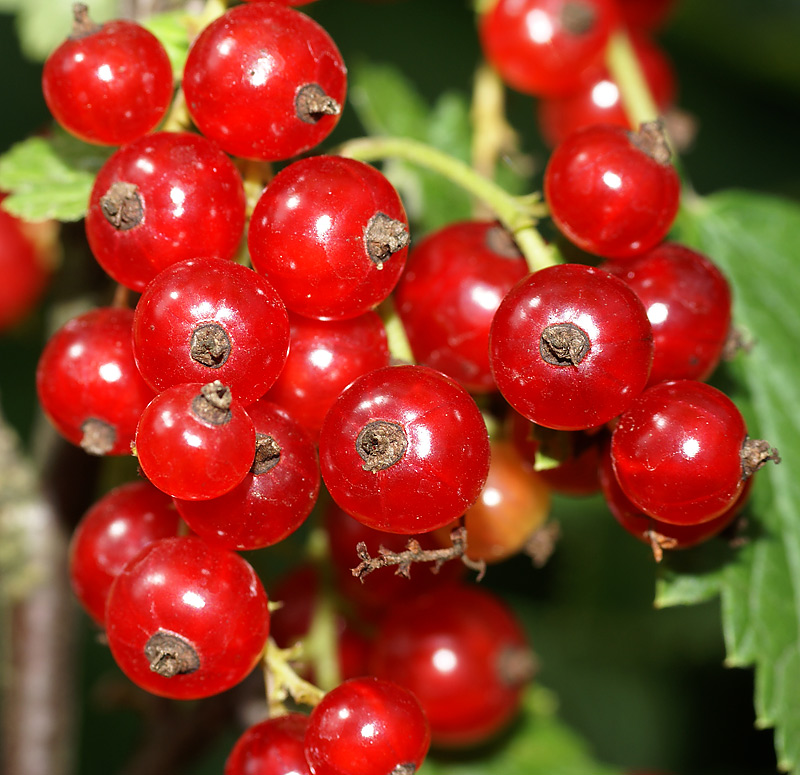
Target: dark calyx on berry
<point>99,437</point>
<point>652,140</point>
<point>404,769</point>
<point>268,454</point>
<point>82,25</point>
<point>563,344</point>
<point>122,206</point>
<point>214,403</point>
<point>380,444</point>
<point>516,665</point>
<point>383,237</point>
<point>170,655</point>
<point>756,453</point>
<point>578,18</point>
<point>210,345</point>
<point>311,104</point>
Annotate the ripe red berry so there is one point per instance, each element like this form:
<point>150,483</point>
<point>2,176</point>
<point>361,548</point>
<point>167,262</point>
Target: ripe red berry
<point>264,81</point>
<point>463,654</point>
<point>367,726</point>
<point>612,192</point>
<point>688,303</point>
<point>206,319</point>
<point>195,441</point>
<point>88,383</point>
<point>597,100</point>
<point>108,84</point>
<point>404,449</point>
<point>23,268</point>
<point>330,234</point>
<point>275,746</point>
<point>571,347</point>
<point>325,356</point>
<point>187,620</point>
<point>454,280</point>
<point>542,47</point>
<point>111,534</point>
<point>165,198</point>
<point>275,496</point>
<point>680,452</point>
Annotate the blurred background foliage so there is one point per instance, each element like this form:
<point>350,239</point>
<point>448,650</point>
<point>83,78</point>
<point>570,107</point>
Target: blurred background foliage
<point>646,688</point>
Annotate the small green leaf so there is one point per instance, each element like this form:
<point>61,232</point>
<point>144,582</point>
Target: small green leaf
<point>754,239</point>
<point>50,177</point>
<point>539,744</point>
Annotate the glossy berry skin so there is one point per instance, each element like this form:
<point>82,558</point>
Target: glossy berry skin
<point>541,47</point>
<point>109,84</point>
<point>688,303</point>
<point>311,232</point>
<point>608,196</point>
<point>662,535</point>
<point>188,202</point>
<point>325,356</point>
<point>191,450</point>
<point>275,496</point>
<point>22,267</point>
<point>677,452</point>
<point>206,319</point>
<point>404,449</point>
<point>344,533</point>
<point>597,100</point>
<point>514,502</point>
<point>86,375</point>
<point>274,746</point>
<point>454,280</point>
<point>209,598</point>
<point>366,726</point>
<point>463,654</point>
<point>245,77</point>
<point>571,390</point>
<point>111,534</point>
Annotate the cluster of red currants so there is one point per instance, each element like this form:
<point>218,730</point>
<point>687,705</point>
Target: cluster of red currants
<point>241,390</point>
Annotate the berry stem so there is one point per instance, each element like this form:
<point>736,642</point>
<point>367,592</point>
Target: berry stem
<point>399,347</point>
<point>283,682</point>
<point>517,214</point>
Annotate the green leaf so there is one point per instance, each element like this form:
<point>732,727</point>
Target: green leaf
<point>50,177</point>
<point>754,240</point>
<point>171,29</point>
<point>540,744</point>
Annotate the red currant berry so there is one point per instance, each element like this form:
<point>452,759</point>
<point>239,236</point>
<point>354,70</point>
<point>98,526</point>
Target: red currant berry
<point>514,502</point>
<point>108,84</point>
<point>453,283</point>
<point>265,81</point>
<point>656,534</point>
<point>404,449</point>
<point>330,234</point>
<point>275,746</point>
<point>167,197</point>
<point>463,654</point>
<point>367,726</point>
<point>542,47</point>
<point>681,452</point>
<point>23,266</point>
<point>113,532</point>
<point>688,303</point>
<point>592,347</point>
<point>345,533</point>
<point>325,356</point>
<point>195,441</point>
<point>598,101</point>
<point>187,620</point>
<point>645,14</point>
<point>88,383</point>
<point>207,319</point>
<point>612,192</point>
<point>275,496</point>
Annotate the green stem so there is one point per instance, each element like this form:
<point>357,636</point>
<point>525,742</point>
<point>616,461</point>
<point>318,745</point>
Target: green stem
<point>626,72</point>
<point>517,214</point>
